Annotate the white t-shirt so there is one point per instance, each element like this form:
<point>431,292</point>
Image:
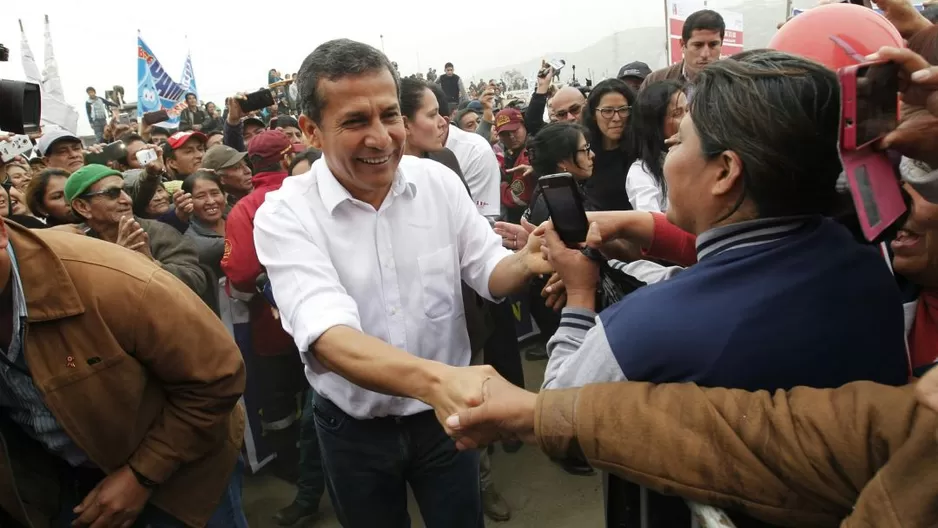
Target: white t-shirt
<point>644,192</point>
<point>479,167</point>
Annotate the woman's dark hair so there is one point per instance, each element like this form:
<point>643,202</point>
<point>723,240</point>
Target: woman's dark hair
<point>202,174</point>
<point>554,143</point>
<point>781,115</point>
<point>647,126</point>
<point>36,190</point>
<point>440,99</point>
<point>310,155</point>
<point>412,92</point>
<point>592,103</point>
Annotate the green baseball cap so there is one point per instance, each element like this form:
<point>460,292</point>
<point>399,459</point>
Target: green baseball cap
<point>80,180</point>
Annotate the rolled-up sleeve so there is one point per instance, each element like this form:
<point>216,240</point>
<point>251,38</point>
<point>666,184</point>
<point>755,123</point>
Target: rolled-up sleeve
<point>309,295</point>
<point>480,249</point>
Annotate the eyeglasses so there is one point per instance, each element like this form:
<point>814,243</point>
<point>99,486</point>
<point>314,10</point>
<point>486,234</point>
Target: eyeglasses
<point>585,149</point>
<point>111,193</point>
<point>607,111</point>
<point>573,110</point>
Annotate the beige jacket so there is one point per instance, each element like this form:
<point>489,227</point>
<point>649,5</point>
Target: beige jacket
<point>863,455</point>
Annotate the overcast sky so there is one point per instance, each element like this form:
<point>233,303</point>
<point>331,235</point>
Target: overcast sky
<point>234,46</point>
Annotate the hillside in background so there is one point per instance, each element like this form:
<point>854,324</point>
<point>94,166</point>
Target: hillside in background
<point>605,57</point>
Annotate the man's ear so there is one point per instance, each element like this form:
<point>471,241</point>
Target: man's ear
<point>81,209</point>
<point>731,173</point>
<point>311,132</point>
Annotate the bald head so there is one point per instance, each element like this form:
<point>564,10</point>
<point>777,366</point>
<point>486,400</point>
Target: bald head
<point>567,104</point>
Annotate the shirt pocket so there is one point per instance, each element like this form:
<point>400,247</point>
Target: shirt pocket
<point>438,281</point>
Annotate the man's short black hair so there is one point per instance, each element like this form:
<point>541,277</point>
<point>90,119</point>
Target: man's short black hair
<point>90,89</point>
<point>705,19</point>
<point>309,155</point>
<point>335,60</point>
<point>440,99</point>
<point>192,94</point>
<point>449,65</point>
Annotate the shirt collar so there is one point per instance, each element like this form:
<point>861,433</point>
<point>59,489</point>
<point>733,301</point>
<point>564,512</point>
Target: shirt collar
<point>333,193</point>
<point>749,233</point>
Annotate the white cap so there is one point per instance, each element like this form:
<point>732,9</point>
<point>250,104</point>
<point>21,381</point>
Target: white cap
<point>52,137</point>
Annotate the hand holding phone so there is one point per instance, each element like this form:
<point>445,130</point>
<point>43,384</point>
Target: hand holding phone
<point>111,152</point>
<point>256,100</point>
<point>566,208</point>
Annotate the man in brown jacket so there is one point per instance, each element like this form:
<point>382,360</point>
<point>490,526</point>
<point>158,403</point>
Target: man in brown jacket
<point>701,44</point>
<point>863,455</point>
<point>118,390</point>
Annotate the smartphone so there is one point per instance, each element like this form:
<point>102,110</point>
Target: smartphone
<point>112,152</point>
<point>17,145</point>
<point>152,118</point>
<point>566,207</point>
<point>123,119</point>
<point>256,100</point>
<point>145,156</point>
<point>869,103</point>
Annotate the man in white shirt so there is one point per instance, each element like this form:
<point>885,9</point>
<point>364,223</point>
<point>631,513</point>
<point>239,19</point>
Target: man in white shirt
<point>365,254</point>
<point>479,167</point>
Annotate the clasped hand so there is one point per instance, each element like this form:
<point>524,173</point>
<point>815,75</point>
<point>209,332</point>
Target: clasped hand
<point>496,410</point>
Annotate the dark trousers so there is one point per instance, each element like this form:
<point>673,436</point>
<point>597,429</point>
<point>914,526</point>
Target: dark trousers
<point>501,350</point>
<point>368,464</point>
<point>311,482</point>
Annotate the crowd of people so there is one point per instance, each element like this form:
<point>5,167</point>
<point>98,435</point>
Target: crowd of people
<point>725,333</point>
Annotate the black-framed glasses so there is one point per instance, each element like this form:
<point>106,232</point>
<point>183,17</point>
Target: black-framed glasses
<point>585,149</point>
<point>111,193</point>
<point>607,111</point>
<point>574,110</point>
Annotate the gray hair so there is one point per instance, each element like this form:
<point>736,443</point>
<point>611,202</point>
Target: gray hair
<point>781,115</point>
<point>334,60</point>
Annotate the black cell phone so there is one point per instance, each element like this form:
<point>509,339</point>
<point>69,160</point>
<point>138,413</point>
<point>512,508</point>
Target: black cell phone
<point>112,152</point>
<point>566,207</point>
<point>256,100</point>
<point>152,118</point>
<point>877,107</point>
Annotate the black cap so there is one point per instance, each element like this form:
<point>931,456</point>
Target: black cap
<point>638,70</point>
<point>284,121</point>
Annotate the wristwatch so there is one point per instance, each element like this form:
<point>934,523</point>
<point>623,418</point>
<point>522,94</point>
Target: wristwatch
<point>145,482</point>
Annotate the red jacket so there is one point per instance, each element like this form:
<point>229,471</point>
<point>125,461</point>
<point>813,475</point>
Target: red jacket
<point>240,264</point>
<point>517,193</point>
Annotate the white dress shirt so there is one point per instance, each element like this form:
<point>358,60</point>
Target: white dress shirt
<point>644,192</point>
<point>479,167</point>
<point>392,273</point>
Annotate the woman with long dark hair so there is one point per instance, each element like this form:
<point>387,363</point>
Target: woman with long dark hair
<point>656,116</point>
<point>559,147</point>
<point>606,116</point>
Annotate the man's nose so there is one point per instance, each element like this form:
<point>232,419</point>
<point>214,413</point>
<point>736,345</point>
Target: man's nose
<point>378,137</point>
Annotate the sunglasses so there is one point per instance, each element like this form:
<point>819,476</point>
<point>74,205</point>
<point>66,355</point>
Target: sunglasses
<point>111,193</point>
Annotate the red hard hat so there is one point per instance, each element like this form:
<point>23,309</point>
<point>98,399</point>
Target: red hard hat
<point>836,35</point>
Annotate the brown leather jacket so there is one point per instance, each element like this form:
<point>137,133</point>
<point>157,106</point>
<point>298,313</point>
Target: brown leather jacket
<point>135,368</point>
<point>674,72</point>
<point>863,455</point>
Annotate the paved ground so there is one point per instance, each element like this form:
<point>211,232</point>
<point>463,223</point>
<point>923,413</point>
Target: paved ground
<point>540,493</point>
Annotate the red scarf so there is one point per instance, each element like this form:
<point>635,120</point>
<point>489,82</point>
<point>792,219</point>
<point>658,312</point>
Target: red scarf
<point>923,339</point>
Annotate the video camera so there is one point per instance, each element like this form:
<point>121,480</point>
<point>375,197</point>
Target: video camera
<point>20,103</point>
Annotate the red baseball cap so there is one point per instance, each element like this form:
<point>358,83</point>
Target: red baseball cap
<point>508,120</point>
<point>269,147</point>
<point>179,138</point>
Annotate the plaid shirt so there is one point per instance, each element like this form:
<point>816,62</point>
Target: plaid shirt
<point>19,396</point>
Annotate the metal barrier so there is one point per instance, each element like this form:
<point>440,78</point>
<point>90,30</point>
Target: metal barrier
<point>708,517</point>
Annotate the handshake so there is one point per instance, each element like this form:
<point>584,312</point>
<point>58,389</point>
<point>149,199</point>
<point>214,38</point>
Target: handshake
<point>478,407</point>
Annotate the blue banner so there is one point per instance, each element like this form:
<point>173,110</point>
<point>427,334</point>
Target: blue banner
<point>188,78</point>
<point>156,90</point>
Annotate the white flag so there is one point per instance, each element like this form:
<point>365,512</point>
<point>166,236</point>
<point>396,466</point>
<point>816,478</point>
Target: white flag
<point>51,82</point>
